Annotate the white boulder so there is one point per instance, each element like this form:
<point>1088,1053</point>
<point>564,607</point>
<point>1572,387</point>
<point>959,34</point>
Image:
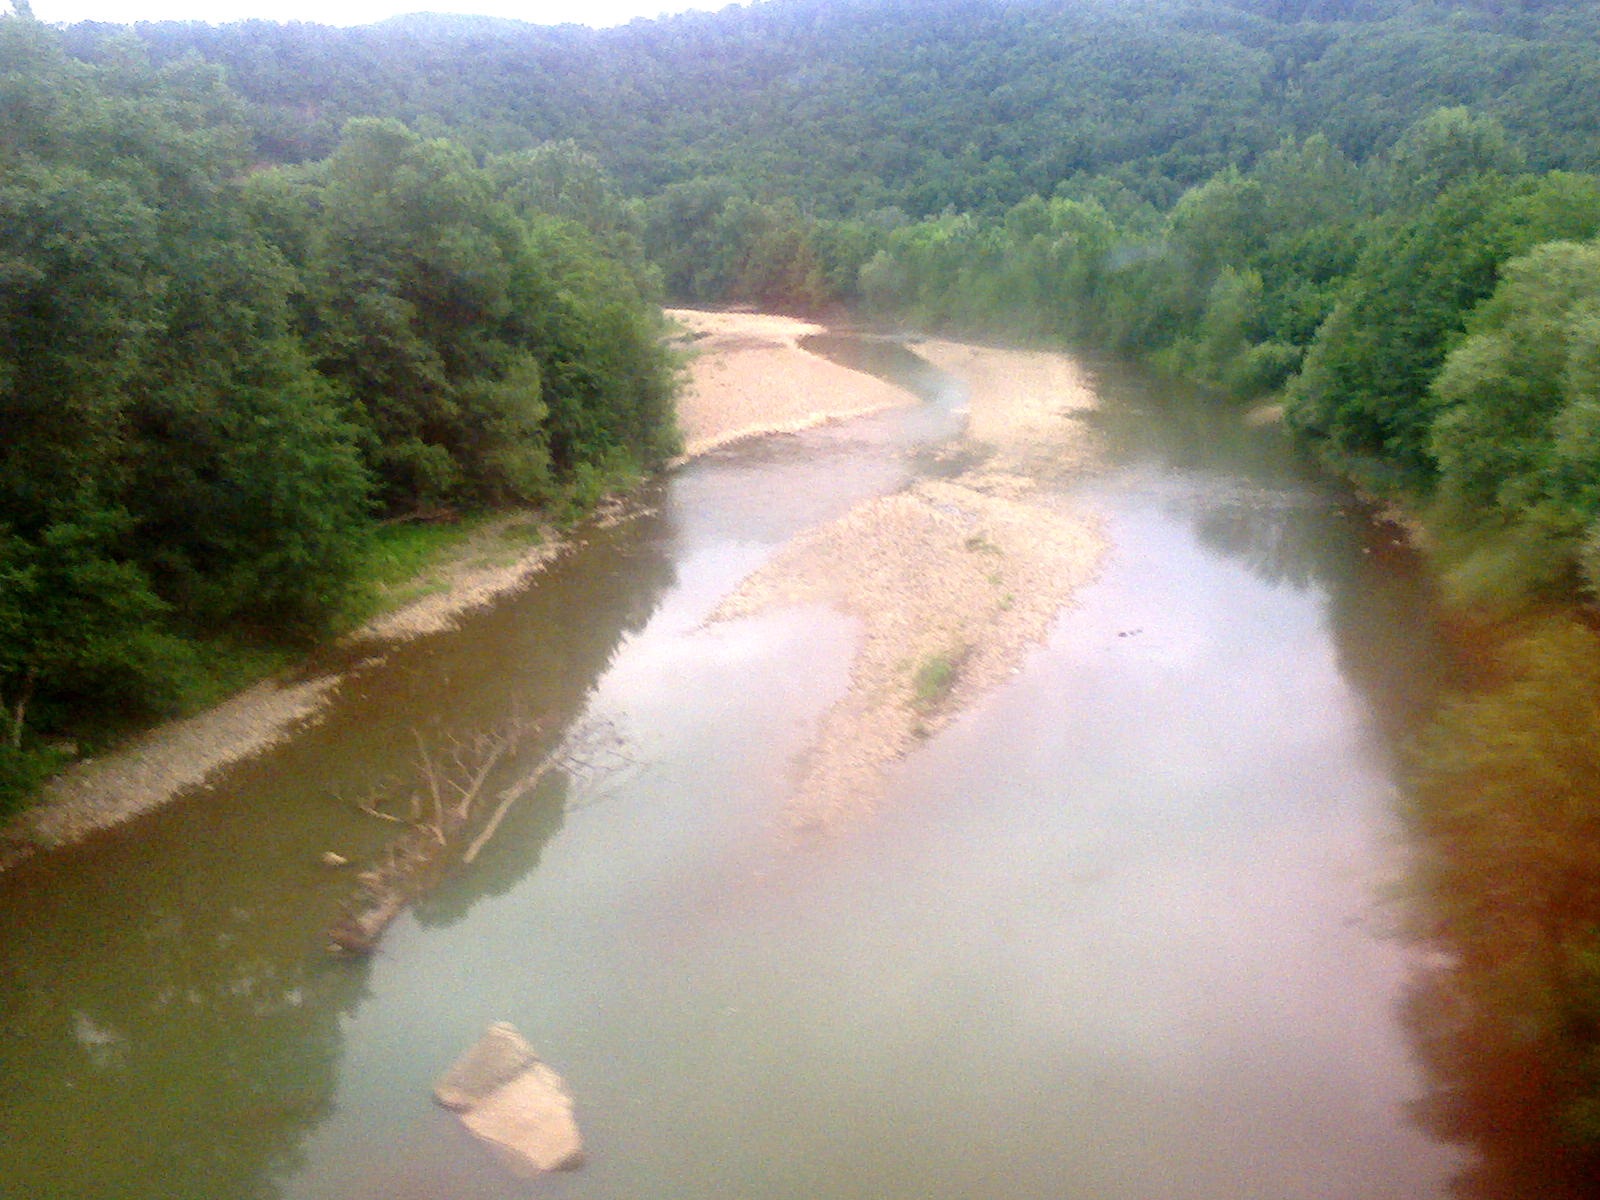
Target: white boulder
<point>513,1102</point>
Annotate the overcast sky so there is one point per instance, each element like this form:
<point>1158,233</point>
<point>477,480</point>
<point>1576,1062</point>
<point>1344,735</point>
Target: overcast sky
<point>356,12</point>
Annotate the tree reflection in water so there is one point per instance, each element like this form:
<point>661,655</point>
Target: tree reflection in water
<point>1487,1095</point>
<point>1292,526</point>
<point>170,1022</point>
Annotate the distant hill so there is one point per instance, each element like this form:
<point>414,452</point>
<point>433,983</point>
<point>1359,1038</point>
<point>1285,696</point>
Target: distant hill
<point>922,105</point>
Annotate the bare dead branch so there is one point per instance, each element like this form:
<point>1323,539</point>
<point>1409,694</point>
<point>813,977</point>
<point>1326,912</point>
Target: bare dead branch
<point>455,777</point>
<point>507,798</point>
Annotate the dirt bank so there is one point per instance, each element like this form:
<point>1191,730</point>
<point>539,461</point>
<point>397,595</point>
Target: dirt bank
<point>748,375</point>
<point>98,793</point>
<point>952,580</point>
<point>158,765</point>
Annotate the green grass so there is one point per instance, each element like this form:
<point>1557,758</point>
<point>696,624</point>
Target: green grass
<point>934,678</point>
<point>223,665</point>
<point>396,567</point>
<point>400,553</point>
<point>393,571</point>
<point>23,772</point>
<point>188,675</point>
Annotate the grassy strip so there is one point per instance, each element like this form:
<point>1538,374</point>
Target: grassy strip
<point>402,562</point>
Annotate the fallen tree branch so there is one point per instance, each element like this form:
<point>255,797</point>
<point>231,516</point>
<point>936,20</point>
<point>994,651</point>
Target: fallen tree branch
<point>507,798</point>
<point>452,801</point>
<point>414,861</point>
<point>371,811</point>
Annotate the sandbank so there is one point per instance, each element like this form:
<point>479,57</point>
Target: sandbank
<point>749,375</point>
<point>966,572</point>
<point>952,580</point>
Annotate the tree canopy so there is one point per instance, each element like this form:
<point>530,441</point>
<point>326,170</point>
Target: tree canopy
<point>213,376</point>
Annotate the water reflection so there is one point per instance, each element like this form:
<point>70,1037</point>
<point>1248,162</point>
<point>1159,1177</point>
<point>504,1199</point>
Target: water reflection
<point>171,1023</point>
<point>1252,497</point>
<point>1036,950</point>
<point>1490,1096</point>
<point>165,996</point>
<point>513,852</point>
<point>886,357</point>
<point>170,1039</point>
<point>1251,494</point>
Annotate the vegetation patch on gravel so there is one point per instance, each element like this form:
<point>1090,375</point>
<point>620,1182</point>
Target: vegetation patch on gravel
<point>952,580</point>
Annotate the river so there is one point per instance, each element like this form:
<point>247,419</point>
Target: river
<point>1119,932</point>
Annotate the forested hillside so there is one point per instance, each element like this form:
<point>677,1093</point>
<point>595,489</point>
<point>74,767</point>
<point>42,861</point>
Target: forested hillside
<point>215,377</point>
<point>856,105</point>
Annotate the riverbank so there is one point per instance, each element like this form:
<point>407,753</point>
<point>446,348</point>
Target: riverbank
<point>953,580</point>
<point>496,557</point>
<point>747,376</point>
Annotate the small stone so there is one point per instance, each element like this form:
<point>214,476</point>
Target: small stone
<point>332,859</point>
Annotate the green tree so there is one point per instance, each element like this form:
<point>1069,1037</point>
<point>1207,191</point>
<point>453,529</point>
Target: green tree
<point>407,261</point>
<point>74,617</point>
<point>171,463</point>
<point>682,237</point>
<point>1513,432</point>
<point>489,350</point>
<point>561,179</point>
<point>1364,389</point>
<point>609,380</point>
<point>1449,146</point>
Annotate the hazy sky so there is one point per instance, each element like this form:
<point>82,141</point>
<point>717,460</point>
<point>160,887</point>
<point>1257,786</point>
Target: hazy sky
<point>356,12</point>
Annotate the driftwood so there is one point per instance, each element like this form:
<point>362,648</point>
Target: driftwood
<point>507,798</point>
<point>450,819</point>
<point>438,821</point>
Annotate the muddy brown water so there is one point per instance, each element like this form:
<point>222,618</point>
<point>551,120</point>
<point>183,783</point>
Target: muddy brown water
<point>1118,933</point>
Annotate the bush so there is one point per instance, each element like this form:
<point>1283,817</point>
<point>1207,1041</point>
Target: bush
<point>934,678</point>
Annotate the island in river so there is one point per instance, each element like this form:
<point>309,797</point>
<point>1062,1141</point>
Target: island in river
<point>952,579</point>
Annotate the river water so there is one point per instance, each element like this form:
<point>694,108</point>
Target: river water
<point>1118,933</point>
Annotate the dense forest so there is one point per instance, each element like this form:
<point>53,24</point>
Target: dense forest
<point>266,284</point>
<point>1314,199</point>
<point>216,376</point>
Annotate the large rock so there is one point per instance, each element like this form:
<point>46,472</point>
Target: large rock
<point>514,1102</point>
<point>494,1060</point>
<point>529,1122</point>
